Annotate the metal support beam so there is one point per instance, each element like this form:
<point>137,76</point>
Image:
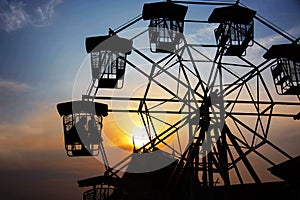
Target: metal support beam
<point>241,154</point>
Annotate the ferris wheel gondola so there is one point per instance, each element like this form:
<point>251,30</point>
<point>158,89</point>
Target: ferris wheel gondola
<point>286,71</point>
<point>82,123</point>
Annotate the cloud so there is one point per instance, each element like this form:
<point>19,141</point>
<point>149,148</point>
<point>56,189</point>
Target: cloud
<point>12,85</point>
<point>273,39</point>
<point>255,52</point>
<point>44,13</point>
<point>295,31</point>
<point>276,38</point>
<point>16,15</point>
<point>204,34</point>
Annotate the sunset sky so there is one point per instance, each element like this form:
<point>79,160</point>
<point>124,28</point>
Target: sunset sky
<point>41,50</point>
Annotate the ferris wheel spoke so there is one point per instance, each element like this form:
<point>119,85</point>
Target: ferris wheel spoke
<point>242,156</point>
<point>247,77</point>
<point>262,138</point>
<point>165,88</point>
<point>235,166</point>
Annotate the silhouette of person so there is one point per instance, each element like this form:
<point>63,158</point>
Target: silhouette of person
<point>81,128</point>
<point>71,136</point>
<point>80,125</point>
<point>93,131</point>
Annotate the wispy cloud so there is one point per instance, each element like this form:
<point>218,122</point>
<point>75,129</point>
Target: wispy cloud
<point>255,53</point>
<point>12,85</point>
<point>44,13</point>
<point>270,40</point>
<point>15,15</point>
<point>205,34</point>
<point>273,39</point>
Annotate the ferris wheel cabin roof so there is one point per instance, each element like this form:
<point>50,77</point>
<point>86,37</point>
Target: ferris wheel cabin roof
<point>234,13</point>
<point>167,10</point>
<point>71,107</point>
<point>98,180</point>
<point>289,51</point>
<point>107,42</point>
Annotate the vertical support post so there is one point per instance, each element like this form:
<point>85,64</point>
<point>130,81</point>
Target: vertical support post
<point>210,170</point>
<point>222,148</point>
<point>204,175</point>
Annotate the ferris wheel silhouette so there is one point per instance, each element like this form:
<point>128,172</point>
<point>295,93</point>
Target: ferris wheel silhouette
<point>203,110</point>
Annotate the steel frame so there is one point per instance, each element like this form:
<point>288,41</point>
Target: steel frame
<point>206,155</point>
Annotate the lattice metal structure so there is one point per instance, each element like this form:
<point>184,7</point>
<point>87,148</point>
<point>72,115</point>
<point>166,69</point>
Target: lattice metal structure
<point>209,114</point>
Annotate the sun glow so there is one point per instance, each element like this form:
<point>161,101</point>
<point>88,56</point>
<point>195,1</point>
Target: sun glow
<point>140,137</point>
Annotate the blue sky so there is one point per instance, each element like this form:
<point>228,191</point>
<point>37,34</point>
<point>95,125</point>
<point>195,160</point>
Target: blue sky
<point>41,49</point>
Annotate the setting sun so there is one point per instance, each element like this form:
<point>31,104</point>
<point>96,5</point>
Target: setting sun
<point>140,137</point>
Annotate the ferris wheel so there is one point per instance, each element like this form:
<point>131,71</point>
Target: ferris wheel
<point>196,113</point>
